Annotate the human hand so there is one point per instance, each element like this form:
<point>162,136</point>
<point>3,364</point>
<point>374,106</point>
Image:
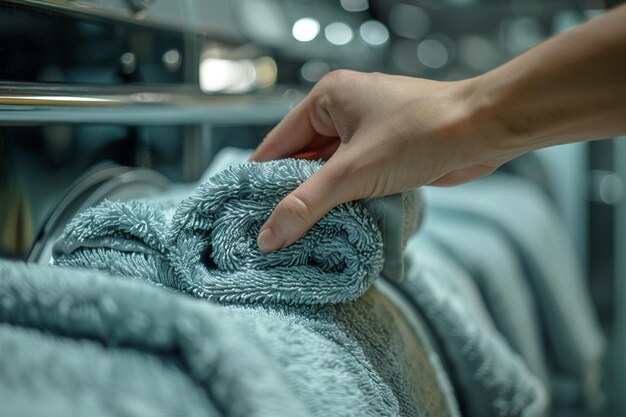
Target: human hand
<point>380,135</point>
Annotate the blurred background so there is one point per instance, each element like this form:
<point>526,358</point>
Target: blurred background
<point>93,93</point>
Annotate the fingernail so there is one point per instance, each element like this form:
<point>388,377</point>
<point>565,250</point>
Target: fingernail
<point>269,240</point>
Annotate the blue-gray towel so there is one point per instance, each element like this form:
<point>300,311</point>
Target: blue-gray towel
<point>488,257</point>
<point>208,247</point>
<point>205,245</point>
<point>489,377</point>
<point>522,213</point>
<point>79,343</point>
<point>337,260</point>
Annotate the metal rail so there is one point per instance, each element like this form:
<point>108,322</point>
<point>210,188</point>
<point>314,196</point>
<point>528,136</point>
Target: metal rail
<point>155,105</point>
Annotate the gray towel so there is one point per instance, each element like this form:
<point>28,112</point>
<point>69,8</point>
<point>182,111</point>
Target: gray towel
<point>488,257</point>
<point>337,260</point>
<point>77,343</point>
<point>357,357</point>
<point>522,213</point>
<point>81,343</point>
<point>490,379</point>
<point>209,247</point>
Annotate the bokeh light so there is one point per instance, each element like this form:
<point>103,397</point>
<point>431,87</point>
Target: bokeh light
<point>338,33</point>
<point>374,32</point>
<point>305,29</point>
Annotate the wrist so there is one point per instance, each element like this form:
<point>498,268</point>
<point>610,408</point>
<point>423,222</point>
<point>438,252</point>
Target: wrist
<point>494,121</point>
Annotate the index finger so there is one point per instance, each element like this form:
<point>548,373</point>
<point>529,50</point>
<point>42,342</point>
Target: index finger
<point>289,136</point>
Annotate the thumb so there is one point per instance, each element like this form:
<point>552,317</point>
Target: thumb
<point>301,209</point>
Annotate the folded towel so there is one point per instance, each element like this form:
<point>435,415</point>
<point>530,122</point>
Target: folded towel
<point>209,247</point>
<point>489,378</point>
<point>522,213</point>
<point>125,238</point>
<point>84,343</point>
<point>79,343</point>
<point>488,257</point>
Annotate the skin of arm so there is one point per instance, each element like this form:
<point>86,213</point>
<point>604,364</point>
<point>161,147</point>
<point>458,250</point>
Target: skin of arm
<point>383,134</point>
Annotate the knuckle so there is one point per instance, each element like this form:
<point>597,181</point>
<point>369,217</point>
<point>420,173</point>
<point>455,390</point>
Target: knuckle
<point>337,76</point>
<point>373,79</point>
<point>325,100</point>
<point>330,86</point>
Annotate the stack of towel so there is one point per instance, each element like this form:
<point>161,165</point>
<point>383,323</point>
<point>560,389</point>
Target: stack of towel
<point>314,335</point>
<point>514,243</point>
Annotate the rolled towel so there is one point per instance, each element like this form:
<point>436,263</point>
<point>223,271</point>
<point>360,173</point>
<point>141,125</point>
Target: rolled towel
<point>126,238</point>
<point>209,247</point>
<point>337,260</point>
<point>398,216</point>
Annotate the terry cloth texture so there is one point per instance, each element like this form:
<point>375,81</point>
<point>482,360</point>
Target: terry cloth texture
<point>524,215</point>
<point>209,247</point>
<point>489,378</point>
<point>397,218</point>
<point>490,260</point>
<point>80,343</point>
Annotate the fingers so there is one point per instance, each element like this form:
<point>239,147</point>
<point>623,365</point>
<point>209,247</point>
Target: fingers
<point>292,134</point>
<point>307,122</point>
<point>289,136</point>
<point>301,209</point>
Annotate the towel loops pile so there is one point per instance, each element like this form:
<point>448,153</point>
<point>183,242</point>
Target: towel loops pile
<point>208,246</point>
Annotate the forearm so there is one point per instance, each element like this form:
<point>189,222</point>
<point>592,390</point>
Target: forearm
<point>570,88</point>
<point>388,134</point>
